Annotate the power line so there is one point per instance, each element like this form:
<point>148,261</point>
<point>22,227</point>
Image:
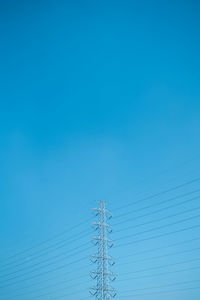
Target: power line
<point>159,193</point>
<point>60,234</point>
<point>158,203</point>
<point>61,246</point>
<point>159,248</point>
<point>160,274</point>
<point>133,241</point>
<point>134,262</point>
<point>63,281</point>
<point>69,294</point>
<point>159,227</point>
<point>162,172</point>
<point>160,219</point>
<point>159,235</point>
<point>156,211</point>
<point>160,256</point>
<point>66,295</point>
<point>188,241</point>
<point>50,293</point>
<point>162,266</point>
<point>145,288</point>
<point>56,246</point>
<point>38,264</point>
<point>163,286</point>
<point>48,240</point>
<point>149,222</point>
<point>37,275</point>
<point>163,292</point>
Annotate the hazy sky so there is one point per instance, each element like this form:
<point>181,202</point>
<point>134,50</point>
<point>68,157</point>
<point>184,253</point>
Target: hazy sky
<point>99,100</point>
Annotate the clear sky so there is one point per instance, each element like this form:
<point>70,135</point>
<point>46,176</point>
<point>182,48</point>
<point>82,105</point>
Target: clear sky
<point>99,100</point>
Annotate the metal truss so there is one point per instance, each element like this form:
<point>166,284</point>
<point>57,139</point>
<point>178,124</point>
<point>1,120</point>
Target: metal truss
<point>103,277</point>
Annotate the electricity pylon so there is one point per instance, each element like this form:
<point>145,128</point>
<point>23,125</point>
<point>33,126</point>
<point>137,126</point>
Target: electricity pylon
<point>102,289</point>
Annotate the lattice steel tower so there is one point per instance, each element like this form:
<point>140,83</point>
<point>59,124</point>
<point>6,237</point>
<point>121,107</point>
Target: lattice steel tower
<point>103,277</point>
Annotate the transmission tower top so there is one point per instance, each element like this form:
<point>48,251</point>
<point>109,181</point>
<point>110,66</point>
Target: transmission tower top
<point>102,274</point>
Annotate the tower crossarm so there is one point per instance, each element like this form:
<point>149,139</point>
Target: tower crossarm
<point>103,273</point>
<point>102,210</point>
<point>97,238</point>
<point>106,289</point>
<point>102,225</point>
<point>102,257</point>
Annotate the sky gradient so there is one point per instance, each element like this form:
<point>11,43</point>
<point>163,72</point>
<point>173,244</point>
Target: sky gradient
<point>98,100</point>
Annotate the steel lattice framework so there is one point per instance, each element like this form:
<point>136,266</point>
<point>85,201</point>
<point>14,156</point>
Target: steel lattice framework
<point>102,275</point>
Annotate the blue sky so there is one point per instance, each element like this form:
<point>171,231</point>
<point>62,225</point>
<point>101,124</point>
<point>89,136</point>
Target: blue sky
<point>98,100</point>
